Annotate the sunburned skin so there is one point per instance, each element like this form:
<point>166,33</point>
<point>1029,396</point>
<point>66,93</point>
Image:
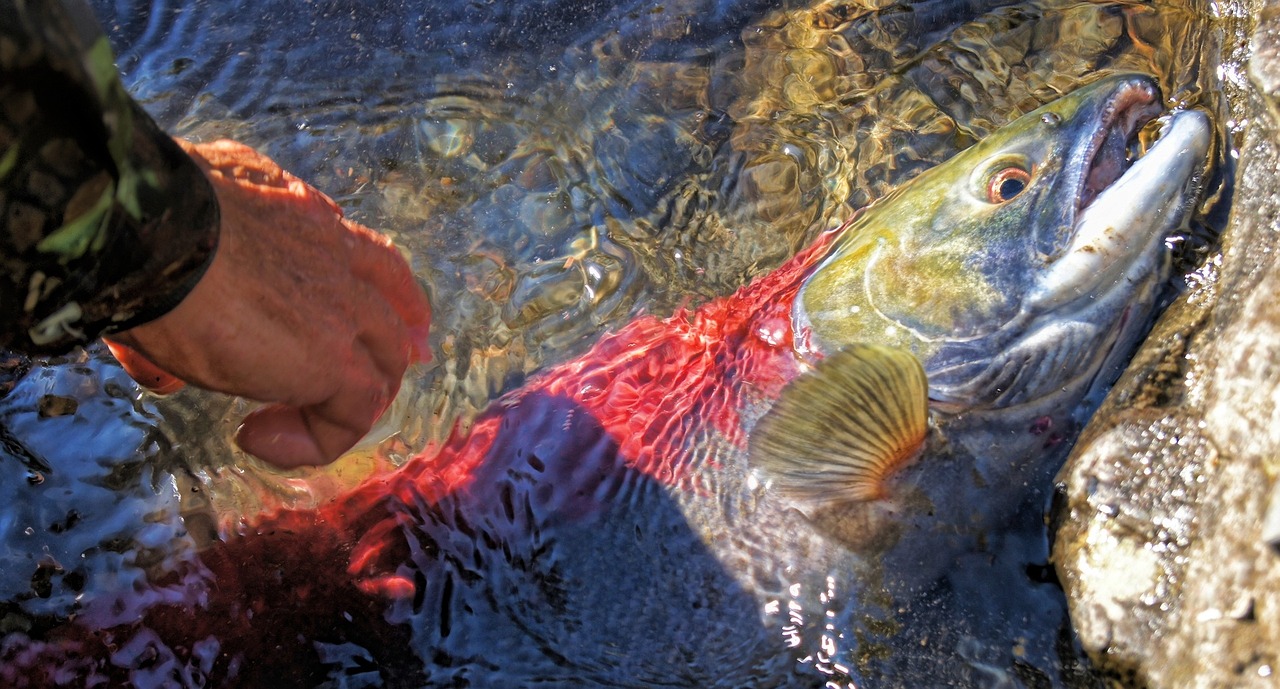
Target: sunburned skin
<point>710,499</point>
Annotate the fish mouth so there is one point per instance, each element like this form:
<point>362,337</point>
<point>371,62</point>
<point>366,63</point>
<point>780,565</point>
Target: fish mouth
<point>1115,146</point>
<point>1128,204</point>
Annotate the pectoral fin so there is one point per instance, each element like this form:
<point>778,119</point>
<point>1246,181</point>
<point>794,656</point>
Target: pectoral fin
<point>839,431</point>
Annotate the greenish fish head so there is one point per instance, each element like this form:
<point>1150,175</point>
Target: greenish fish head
<point>1021,267</point>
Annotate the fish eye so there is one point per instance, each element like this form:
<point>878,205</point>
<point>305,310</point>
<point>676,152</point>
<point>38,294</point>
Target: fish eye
<point>1007,183</point>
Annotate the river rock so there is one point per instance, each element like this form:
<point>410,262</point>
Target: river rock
<point>1168,510</point>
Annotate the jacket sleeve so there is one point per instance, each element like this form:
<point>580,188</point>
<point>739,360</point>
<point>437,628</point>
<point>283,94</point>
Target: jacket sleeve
<point>105,223</point>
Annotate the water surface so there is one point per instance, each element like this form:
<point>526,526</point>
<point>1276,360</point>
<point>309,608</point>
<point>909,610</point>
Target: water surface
<point>554,168</point>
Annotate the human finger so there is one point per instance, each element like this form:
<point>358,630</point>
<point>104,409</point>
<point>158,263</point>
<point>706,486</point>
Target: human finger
<point>379,261</point>
<point>280,436</point>
<point>312,435</point>
<point>291,437</point>
<point>143,371</point>
<point>386,339</point>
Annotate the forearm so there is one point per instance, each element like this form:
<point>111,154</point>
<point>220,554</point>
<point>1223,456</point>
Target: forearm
<point>107,223</point>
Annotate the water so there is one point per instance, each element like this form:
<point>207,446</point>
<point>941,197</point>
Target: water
<point>554,168</point>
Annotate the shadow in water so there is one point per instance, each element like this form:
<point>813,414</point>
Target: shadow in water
<point>557,565</point>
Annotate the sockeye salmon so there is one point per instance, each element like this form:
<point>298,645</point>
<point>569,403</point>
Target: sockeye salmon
<point>708,499</point>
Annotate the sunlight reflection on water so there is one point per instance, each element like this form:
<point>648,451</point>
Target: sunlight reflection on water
<point>553,171</point>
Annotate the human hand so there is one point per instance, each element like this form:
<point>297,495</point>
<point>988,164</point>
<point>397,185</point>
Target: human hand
<point>300,308</point>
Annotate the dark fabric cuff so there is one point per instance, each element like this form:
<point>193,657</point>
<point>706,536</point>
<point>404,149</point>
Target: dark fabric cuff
<point>107,223</point>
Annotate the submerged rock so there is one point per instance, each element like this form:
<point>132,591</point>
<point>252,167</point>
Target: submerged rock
<point>1168,537</point>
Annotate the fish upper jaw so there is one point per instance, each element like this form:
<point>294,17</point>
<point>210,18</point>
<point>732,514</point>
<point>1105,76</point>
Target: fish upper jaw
<point>1101,131</point>
<point>1131,106</point>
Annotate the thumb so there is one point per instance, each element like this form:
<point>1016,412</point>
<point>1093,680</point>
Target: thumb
<point>142,370</point>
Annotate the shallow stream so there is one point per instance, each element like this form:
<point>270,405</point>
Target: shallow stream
<point>553,168</point>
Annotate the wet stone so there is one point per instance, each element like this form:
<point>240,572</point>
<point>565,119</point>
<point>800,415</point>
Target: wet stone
<point>1167,529</point>
<point>1264,69</point>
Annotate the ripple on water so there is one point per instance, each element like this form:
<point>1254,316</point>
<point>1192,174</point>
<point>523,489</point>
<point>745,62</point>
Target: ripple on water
<point>553,168</point>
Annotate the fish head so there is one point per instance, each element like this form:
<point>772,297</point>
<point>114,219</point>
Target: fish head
<point>963,326</point>
<point>1013,269</point>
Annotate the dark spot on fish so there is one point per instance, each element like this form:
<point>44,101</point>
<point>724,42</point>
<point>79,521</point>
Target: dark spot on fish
<point>543,493</point>
<point>528,515</point>
<point>446,602</point>
<point>42,582</point>
<point>461,524</point>
<point>443,659</point>
<point>1043,573</point>
<point>540,552</point>
<point>73,518</point>
<point>508,505</point>
<point>552,586</point>
<point>419,590</point>
<point>537,464</point>
<point>53,406</point>
<point>74,581</point>
<point>1041,425</point>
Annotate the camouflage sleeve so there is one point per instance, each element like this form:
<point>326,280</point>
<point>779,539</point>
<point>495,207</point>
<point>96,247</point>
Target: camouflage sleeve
<point>105,223</point>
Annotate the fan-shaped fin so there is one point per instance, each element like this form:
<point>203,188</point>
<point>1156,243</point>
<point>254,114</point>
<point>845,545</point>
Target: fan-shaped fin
<point>839,431</point>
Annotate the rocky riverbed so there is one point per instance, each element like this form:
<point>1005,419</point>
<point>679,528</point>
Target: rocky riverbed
<point>1168,511</point>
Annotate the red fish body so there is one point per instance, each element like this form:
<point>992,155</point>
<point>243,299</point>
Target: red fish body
<point>651,387</point>
<point>659,406</point>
